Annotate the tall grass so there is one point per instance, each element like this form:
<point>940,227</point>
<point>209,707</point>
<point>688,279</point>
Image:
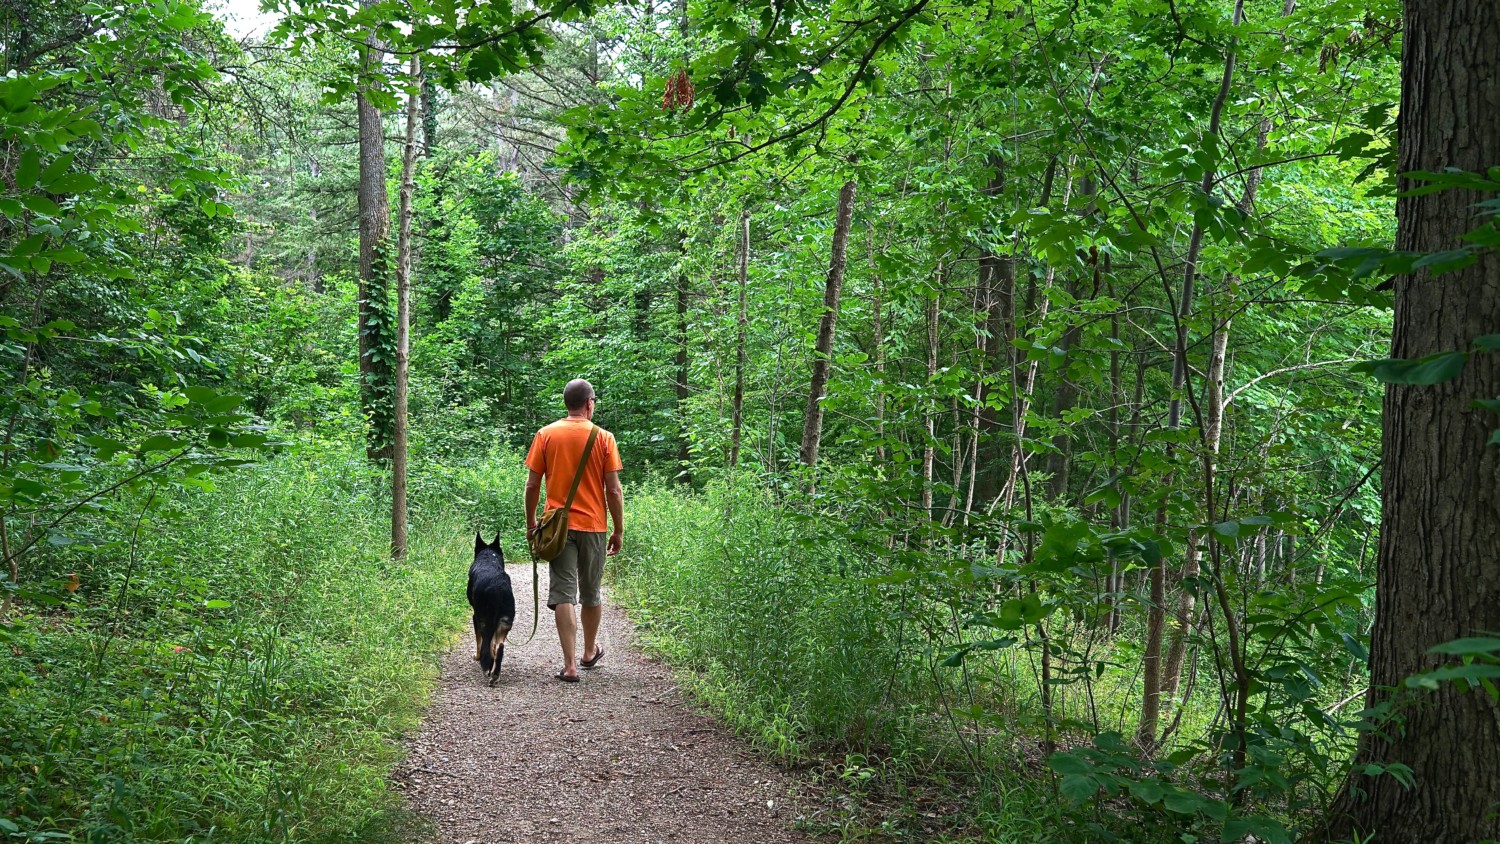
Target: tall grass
<point>243,670</point>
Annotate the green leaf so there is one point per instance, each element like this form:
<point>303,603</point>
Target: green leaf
<point>159,442</point>
<point>55,171</point>
<point>1077,787</point>
<point>41,205</point>
<point>1467,647</point>
<point>1147,791</point>
<point>1264,829</point>
<point>1433,369</point>
<point>1069,763</point>
<point>1182,802</point>
<point>27,170</point>
<point>1438,263</point>
<point>217,604</point>
<point>73,183</point>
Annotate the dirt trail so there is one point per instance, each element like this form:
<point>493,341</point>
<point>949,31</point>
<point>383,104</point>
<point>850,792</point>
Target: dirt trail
<point>618,757</point>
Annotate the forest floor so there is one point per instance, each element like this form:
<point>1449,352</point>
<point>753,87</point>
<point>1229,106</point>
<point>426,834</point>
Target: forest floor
<point>621,756</point>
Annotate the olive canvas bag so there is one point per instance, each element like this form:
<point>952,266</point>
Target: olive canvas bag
<point>551,534</point>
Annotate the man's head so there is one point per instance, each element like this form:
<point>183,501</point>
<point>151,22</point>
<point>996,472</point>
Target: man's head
<point>578,397</point>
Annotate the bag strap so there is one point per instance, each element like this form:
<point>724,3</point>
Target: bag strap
<point>583,461</point>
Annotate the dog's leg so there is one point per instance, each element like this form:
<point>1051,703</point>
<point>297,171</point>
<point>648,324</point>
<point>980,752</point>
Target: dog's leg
<point>497,652</point>
<point>478,639</point>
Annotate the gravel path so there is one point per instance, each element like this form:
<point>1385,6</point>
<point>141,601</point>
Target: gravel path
<point>618,757</point>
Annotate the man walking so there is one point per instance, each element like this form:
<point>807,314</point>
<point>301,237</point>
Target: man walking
<point>578,572</point>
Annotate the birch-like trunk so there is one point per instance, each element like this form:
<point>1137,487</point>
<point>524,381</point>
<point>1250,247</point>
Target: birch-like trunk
<point>403,313</point>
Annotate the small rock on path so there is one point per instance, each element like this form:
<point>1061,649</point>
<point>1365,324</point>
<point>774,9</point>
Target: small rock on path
<point>618,757</point>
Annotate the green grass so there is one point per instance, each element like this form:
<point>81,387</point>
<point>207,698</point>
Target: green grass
<point>246,673</point>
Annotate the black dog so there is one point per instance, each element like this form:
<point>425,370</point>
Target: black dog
<point>494,605</point>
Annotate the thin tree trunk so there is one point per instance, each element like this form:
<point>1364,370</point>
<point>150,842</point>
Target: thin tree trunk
<point>1152,672</point>
<point>878,342</point>
<point>812,428</point>
<point>996,280</point>
<point>684,457</point>
<point>403,314</point>
<point>1438,576</point>
<point>742,320</point>
<point>1116,399</point>
<point>929,423</point>
<point>1060,460</point>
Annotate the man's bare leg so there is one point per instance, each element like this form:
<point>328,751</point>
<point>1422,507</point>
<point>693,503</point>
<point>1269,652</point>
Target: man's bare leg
<point>591,617</point>
<point>567,635</point>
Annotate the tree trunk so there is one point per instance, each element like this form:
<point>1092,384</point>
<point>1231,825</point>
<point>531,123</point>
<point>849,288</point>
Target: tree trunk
<point>812,428</point>
<point>1060,460</point>
<point>929,423</point>
<point>429,116</point>
<point>1152,673</point>
<point>997,281</point>
<point>374,231</point>
<point>877,341</point>
<point>403,316</point>
<point>740,355</point>
<point>1438,573</point>
<point>684,457</point>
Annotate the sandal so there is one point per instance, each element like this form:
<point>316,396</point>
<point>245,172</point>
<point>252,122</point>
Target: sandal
<point>590,663</point>
<point>565,678</point>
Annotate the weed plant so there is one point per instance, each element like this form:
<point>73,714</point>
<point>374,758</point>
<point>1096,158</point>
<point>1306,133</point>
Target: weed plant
<point>242,666</point>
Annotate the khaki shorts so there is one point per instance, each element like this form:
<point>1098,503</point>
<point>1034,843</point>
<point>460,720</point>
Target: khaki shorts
<point>578,572</point>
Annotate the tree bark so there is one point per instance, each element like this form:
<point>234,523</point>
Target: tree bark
<point>374,229</point>
<point>429,116</point>
<point>403,315</point>
<point>1438,576</point>
<point>742,321</point>
<point>812,428</point>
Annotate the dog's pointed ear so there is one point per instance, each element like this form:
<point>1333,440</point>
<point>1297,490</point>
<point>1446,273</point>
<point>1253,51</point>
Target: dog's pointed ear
<point>497,540</point>
<point>479,542</point>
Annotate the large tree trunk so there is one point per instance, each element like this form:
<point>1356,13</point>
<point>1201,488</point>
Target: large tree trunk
<point>403,317</point>
<point>1439,551</point>
<point>812,427</point>
<point>374,231</point>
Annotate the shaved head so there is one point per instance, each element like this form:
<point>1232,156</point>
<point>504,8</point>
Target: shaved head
<point>577,394</point>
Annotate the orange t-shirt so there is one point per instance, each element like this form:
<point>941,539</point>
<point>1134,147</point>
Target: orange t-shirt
<point>555,452</point>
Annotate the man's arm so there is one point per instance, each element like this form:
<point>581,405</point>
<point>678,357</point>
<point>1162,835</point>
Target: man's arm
<point>614,498</point>
<point>533,495</point>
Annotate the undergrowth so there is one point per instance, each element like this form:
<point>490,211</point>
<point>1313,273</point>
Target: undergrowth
<point>240,666</point>
<point>795,642</point>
